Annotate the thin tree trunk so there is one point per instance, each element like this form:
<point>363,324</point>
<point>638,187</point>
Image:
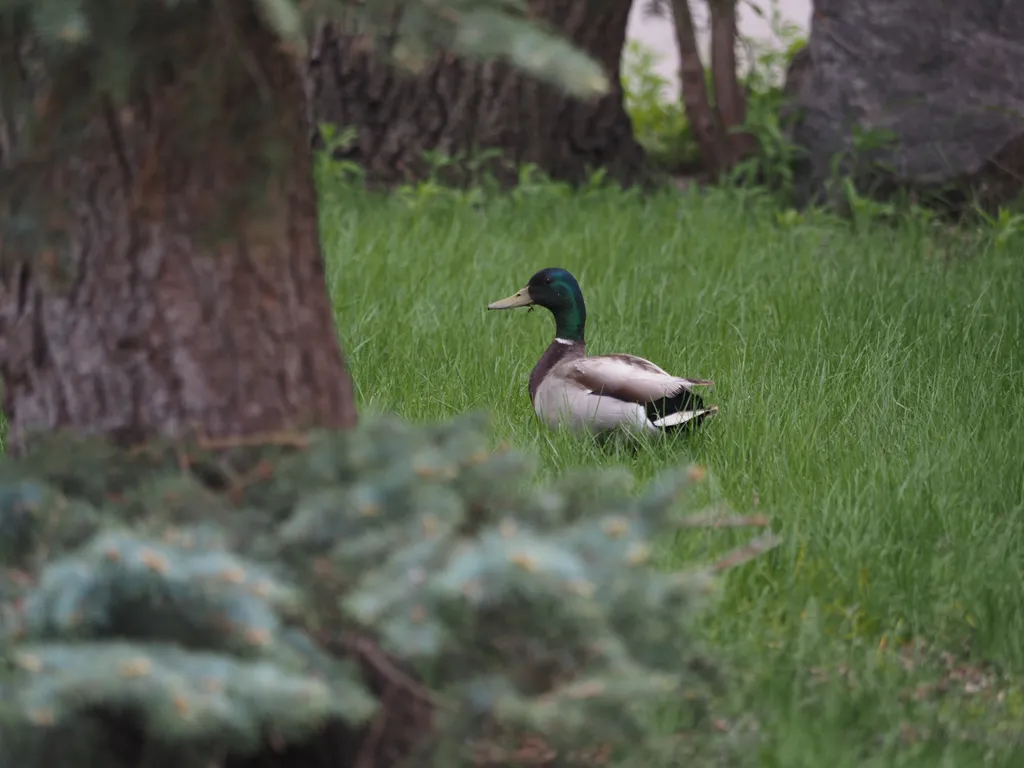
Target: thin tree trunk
<point>186,291</point>
<point>702,115</point>
<point>729,97</point>
<point>456,107</point>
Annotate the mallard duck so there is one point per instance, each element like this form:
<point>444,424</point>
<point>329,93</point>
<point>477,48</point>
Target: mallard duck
<point>603,392</point>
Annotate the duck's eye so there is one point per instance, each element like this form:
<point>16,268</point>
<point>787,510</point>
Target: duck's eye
<point>547,280</point>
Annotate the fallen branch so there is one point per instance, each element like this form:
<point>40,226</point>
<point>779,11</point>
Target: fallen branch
<point>716,520</point>
<point>364,648</point>
<point>746,553</point>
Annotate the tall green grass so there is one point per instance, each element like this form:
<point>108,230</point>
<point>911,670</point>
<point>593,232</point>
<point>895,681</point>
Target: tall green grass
<point>871,385</point>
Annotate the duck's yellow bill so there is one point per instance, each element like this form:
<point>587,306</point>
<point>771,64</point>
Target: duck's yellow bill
<point>517,299</point>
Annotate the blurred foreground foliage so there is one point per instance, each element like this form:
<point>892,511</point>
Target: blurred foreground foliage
<point>223,601</point>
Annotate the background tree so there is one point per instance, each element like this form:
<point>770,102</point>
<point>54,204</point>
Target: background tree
<point>459,107</point>
<point>160,270</point>
<point>715,106</point>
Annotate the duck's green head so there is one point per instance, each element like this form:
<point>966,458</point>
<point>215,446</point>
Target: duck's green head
<point>555,290</point>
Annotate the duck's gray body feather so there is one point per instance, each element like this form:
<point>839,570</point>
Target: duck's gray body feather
<point>596,394</point>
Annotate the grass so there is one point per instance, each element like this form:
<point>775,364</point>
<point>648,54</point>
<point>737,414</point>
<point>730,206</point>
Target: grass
<point>871,384</point>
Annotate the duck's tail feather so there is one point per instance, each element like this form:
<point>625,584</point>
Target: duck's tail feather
<point>684,400</point>
<point>684,418</point>
<point>685,408</point>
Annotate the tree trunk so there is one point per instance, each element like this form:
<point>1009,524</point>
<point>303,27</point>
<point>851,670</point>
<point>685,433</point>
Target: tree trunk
<point>701,114</point>
<point>459,107</point>
<point>142,321</point>
<point>729,97</point>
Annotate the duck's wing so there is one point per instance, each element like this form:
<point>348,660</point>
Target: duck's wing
<point>562,402</point>
<point>629,378</point>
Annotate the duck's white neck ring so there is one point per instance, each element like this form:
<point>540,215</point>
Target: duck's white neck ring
<point>564,341</point>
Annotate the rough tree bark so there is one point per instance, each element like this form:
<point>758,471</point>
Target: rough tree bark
<point>143,323</point>
<point>457,107</point>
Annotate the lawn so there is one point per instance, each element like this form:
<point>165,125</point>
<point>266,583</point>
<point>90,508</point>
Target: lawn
<point>871,385</point>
